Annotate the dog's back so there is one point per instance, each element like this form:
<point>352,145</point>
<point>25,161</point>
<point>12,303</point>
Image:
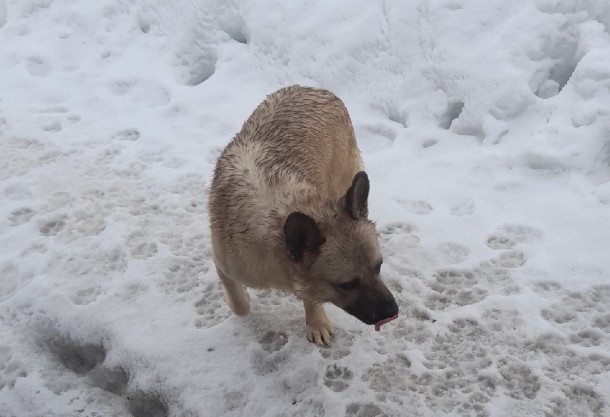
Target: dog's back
<point>297,150</point>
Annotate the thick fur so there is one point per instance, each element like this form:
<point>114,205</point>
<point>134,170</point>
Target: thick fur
<point>288,210</point>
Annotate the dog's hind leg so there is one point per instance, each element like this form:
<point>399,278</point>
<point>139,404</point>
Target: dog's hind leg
<point>236,294</point>
<point>319,328</point>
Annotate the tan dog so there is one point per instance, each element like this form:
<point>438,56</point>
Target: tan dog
<point>288,210</point>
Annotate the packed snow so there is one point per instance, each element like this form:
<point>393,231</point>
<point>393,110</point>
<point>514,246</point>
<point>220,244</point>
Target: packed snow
<point>485,131</point>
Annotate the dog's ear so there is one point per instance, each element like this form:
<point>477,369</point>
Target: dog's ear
<point>356,198</point>
<point>303,236</point>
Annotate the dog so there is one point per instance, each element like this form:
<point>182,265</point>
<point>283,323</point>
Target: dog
<point>288,210</point>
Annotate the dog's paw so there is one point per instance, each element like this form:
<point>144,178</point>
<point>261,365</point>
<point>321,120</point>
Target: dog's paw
<point>320,335</point>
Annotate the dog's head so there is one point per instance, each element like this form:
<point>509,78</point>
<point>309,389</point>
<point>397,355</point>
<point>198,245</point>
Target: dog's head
<point>339,258</point>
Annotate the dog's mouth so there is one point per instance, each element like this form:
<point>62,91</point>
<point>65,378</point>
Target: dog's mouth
<point>384,321</point>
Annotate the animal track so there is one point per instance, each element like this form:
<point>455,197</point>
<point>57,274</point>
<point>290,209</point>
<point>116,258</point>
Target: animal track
<point>496,277</point>
<point>337,378</point>
<point>79,358</point>
<point>582,396</point>
<point>273,341</point>
<point>52,227</point>
<point>458,363</point>
<point>127,134</point>
<point>395,237</point>
<point>398,228</point>
<point>454,287</point>
<point>508,236</point>
<point>587,338</point>
<point>499,241</point>
<point>341,346</point>
<point>140,247</point>
<point>602,322</point>
<point>86,360</point>
<point>519,380</point>
<point>270,358</point>
<point>212,307</point>
<point>584,320</point>
<point>417,332</point>
<point>558,316</point>
<point>113,380</point>
<point>21,216</point>
<point>582,312</point>
<point>85,296</point>
<point>417,207</point>
<point>453,253</point>
<point>462,208</point>
<point>511,259</point>
<point>363,410</point>
<point>146,405</point>
<point>389,375</point>
<point>183,275</point>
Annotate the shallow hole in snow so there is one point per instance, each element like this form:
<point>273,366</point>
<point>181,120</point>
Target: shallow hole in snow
<point>146,405</point>
<point>454,109</point>
<point>76,357</point>
<point>199,69</point>
<point>237,35</point>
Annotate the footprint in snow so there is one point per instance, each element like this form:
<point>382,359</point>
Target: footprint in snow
<point>86,295</point>
<point>508,236</point>
<point>452,253</point>
<point>462,208</point>
<point>341,347</point>
<point>363,410</point>
<point>211,308</point>
<point>417,207</point>
<point>52,127</point>
<point>273,341</point>
<point>337,378</point>
<point>52,226</point>
<point>87,360</point>
<point>454,287</point>
<point>127,134</point>
<point>510,259</point>
<point>20,216</point>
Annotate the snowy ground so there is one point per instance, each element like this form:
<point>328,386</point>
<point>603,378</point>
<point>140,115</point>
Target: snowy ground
<point>485,128</point>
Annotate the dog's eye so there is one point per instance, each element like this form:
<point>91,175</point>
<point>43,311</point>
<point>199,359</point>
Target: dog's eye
<point>349,285</point>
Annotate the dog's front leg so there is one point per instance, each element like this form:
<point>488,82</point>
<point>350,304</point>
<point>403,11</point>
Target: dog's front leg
<point>319,328</point>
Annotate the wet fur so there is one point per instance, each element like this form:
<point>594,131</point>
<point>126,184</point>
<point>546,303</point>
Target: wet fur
<point>287,209</point>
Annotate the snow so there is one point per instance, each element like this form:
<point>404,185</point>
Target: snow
<point>485,129</point>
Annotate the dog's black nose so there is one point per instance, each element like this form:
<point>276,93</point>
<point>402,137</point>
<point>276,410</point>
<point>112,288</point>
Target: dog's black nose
<point>373,306</point>
<point>388,309</point>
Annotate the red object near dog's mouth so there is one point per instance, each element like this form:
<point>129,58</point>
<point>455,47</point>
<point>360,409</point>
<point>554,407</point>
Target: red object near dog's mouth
<point>384,321</point>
